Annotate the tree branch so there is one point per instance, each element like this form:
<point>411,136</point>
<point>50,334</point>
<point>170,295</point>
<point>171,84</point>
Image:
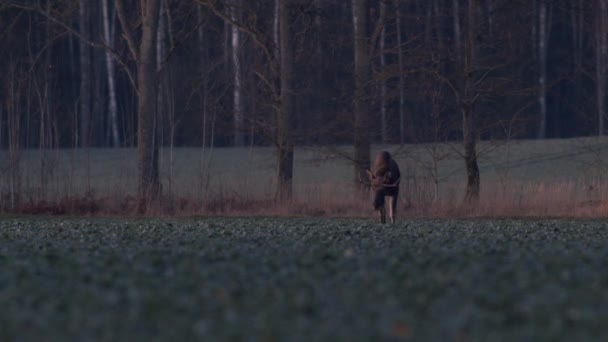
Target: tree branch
<point>378,29</point>
<point>77,34</point>
<point>120,11</point>
<point>260,39</point>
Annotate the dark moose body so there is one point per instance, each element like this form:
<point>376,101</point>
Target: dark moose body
<point>384,179</point>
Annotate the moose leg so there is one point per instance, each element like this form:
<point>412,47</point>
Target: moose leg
<point>382,212</point>
<point>392,208</point>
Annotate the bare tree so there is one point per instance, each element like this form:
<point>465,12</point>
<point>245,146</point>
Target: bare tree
<point>543,32</point>
<point>467,102</point>
<point>383,86</point>
<point>362,80</point>
<point>13,100</point>
<point>285,120</point>
<point>143,51</point>
<point>239,129</point>
<point>278,80</point>
<point>112,106</point>
<point>85,72</point>
<point>601,52</point>
<point>401,75</point>
<point>456,18</point>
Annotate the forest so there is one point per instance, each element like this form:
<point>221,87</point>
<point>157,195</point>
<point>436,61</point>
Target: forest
<point>195,170</point>
<point>284,73</point>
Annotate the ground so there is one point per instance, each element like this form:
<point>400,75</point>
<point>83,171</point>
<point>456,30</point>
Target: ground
<point>302,279</point>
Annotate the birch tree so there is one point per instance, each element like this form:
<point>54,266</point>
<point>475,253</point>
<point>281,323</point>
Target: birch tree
<point>239,129</point>
<point>109,41</point>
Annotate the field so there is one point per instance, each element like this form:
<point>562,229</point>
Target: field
<point>302,279</point>
<point>518,178</point>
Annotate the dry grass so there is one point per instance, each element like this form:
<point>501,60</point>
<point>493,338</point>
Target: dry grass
<point>515,199</point>
<point>558,178</point>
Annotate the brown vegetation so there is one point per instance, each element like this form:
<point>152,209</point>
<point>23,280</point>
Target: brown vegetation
<point>515,200</point>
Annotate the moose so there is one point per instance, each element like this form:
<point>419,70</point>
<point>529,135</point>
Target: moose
<point>384,178</point>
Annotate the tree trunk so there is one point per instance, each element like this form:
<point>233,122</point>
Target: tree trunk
<point>468,112</point>
<point>99,116</point>
<point>112,106</point>
<point>362,76</point>
<point>285,118</point>
<point>239,129</point>
<point>13,123</point>
<point>401,76</point>
<point>456,16</point>
<point>275,26</point>
<point>319,104</point>
<point>542,79</point>
<point>203,65</point>
<point>383,88</point>
<point>490,4</point>
<point>428,16</point>
<point>147,144</point>
<point>85,73</point>
<point>600,64</point>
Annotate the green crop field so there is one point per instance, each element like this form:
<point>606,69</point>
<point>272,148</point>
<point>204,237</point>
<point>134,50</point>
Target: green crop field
<point>302,279</point>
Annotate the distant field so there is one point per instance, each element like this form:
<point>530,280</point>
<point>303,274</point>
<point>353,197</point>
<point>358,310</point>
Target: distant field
<point>302,279</point>
<point>572,170</point>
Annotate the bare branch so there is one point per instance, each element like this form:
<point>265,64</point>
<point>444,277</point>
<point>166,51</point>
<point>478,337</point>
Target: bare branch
<point>120,11</point>
<point>260,38</point>
<point>77,34</point>
<point>377,30</point>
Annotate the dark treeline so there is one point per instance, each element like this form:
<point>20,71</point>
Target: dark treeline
<point>153,73</point>
<point>47,71</point>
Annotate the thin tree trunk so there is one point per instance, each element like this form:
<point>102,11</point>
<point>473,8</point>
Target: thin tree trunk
<point>581,27</point>
<point>456,16</point>
<point>239,136</point>
<point>226,52</point>
<point>401,76</point>
<point>468,112</point>
<point>542,79</point>
<point>112,106</point>
<point>85,73</point>
<point>362,76</point>
<point>275,27</point>
<point>439,25</point>
<point>161,117</point>
<point>383,88</point>
<point>203,61</point>
<point>428,29</point>
<point>74,90</point>
<point>490,17</point>
<point>46,108</point>
<point>43,96</point>
<point>147,144</point>
<point>98,113</point>
<point>13,111</point>
<point>600,64</point>
<point>285,119</point>
<point>319,104</point>
<point>1,128</point>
